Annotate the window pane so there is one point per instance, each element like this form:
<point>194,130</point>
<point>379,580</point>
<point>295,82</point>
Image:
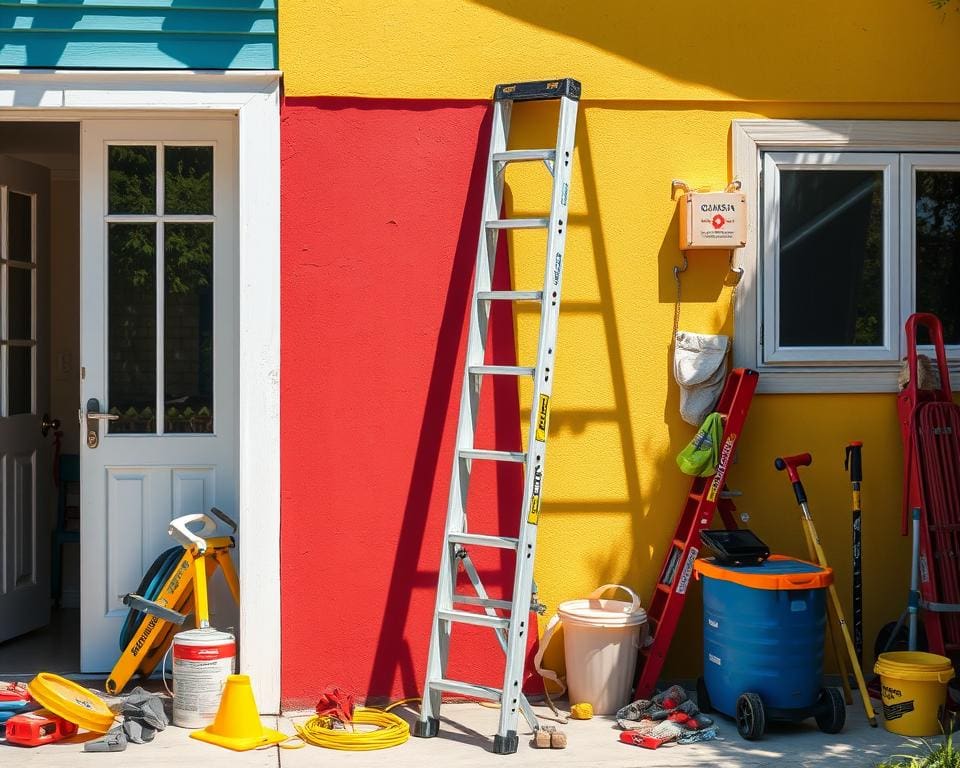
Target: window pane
<point>188,328</point>
<point>20,227</point>
<point>938,249</point>
<point>20,379</point>
<point>188,183</point>
<point>831,258</point>
<point>133,180</point>
<point>132,333</point>
<point>20,302</point>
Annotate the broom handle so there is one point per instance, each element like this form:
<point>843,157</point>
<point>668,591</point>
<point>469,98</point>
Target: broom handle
<point>791,464</point>
<point>853,460</point>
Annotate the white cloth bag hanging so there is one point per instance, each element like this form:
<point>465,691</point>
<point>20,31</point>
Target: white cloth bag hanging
<point>700,367</point>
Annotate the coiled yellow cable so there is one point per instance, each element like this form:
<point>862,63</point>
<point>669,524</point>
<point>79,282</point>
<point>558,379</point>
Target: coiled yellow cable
<point>391,731</point>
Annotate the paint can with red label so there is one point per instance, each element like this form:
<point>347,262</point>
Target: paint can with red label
<point>202,661</point>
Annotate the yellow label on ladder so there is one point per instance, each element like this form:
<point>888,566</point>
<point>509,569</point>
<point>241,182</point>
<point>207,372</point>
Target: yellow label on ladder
<point>543,411</point>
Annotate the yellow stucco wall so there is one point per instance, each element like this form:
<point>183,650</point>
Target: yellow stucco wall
<point>661,87</point>
<point>852,51</point>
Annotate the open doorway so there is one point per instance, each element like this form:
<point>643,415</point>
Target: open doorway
<point>119,299</point>
<point>158,474</point>
<point>39,397</point>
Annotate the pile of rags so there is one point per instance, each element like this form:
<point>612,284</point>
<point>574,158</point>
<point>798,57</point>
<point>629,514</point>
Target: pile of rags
<point>668,716</point>
<point>142,714</point>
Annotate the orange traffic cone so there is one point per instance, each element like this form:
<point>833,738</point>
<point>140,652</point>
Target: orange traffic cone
<point>237,724</point>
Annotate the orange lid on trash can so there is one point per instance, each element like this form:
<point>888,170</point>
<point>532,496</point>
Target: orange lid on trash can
<point>777,572</point>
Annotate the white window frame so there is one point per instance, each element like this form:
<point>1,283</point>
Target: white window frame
<point>750,140</point>
<point>252,98</point>
<point>773,164</point>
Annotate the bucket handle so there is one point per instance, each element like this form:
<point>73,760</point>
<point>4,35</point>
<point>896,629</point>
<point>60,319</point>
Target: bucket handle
<point>598,592</point>
<point>554,625</point>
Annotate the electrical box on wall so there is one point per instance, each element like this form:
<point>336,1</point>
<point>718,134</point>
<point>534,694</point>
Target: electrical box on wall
<point>713,220</point>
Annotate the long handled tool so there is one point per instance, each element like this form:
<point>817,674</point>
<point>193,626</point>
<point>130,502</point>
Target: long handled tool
<point>853,460</point>
<point>791,464</point>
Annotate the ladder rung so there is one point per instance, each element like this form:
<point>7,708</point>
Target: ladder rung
<point>518,223</point>
<point>663,587</point>
<point>481,540</point>
<point>477,453</point>
<point>680,543</point>
<point>466,689</point>
<point>478,619</point>
<point>510,295</point>
<point>520,155</point>
<point>487,602</point>
<point>502,370</point>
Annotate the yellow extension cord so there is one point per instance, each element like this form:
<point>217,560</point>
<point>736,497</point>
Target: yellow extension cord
<point>391,731</point>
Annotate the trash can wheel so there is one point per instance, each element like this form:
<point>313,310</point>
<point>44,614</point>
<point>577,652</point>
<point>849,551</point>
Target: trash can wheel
<point>831,713</point>
<point>751,718</point>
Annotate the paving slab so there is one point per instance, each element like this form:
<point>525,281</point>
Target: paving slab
<point>466,740</point>
<point>172,748</point>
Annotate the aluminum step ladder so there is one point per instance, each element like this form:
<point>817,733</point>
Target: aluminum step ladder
<point>508,619</point>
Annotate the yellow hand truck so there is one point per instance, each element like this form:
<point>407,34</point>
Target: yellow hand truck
<point>183,592</point>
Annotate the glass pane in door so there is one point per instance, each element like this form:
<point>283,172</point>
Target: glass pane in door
<point>132,184</point>
<point>831,258</point>
<point>188,180</point>
<point>132,326</point>
<point>20,303</point>
<point>20,379</point>
<point>20,227</point>
<point>938,248</point>
<point>188,328</point>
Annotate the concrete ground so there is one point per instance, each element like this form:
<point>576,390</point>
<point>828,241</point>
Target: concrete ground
<point>465,740</point>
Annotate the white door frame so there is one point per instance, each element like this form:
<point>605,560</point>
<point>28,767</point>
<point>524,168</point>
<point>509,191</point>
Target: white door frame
<point>254,99</point>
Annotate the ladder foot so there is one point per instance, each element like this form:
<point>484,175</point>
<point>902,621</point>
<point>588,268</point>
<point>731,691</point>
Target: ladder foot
<point>427,729</point>
<point>506,745</point>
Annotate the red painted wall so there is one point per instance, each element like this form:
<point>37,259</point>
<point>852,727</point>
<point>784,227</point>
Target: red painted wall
<point>380,216</point>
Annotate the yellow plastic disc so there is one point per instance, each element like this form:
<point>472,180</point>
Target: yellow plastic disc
<point>71,701</point>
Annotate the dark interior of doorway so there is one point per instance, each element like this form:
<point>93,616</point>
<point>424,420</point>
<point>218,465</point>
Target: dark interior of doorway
<point>56,647</point>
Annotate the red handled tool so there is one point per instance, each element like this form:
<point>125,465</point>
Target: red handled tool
<point>792,465</point>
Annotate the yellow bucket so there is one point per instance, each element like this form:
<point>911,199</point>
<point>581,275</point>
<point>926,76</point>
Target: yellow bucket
<point>914,691</point>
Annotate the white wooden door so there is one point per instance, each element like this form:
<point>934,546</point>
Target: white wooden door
<point>158,350</point>
<point>25,476</point>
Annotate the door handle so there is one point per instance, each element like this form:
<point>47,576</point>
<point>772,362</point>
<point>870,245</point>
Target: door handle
<point>94,417</point>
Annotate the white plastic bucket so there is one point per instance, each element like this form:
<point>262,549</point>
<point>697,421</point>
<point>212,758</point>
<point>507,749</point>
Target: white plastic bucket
<point>203,659</point>
<point>601,641</point>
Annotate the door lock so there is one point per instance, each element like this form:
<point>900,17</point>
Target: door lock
<point>94,417</point>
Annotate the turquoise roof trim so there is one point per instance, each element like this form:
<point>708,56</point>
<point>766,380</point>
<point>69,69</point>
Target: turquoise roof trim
<point>139,34</point>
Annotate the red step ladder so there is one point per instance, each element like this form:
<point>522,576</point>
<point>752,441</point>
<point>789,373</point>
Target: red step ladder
<point>707,494</point>
<point>930,428</point>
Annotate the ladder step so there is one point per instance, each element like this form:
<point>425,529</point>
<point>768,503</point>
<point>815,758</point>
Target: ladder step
<point>518,223</point>
<point>510,295</point>
<point>503,605</point>
<point>520,155</point>
<point>502,370</point>
<point>477,453</point>
<point>465,689</point>
<point>482,540</point>
<point>477,619</point>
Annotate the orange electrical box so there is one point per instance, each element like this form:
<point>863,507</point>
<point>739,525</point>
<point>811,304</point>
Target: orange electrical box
<point>713,220</point>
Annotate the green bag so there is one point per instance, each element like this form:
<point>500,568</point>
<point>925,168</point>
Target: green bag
<point>701,455</point>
